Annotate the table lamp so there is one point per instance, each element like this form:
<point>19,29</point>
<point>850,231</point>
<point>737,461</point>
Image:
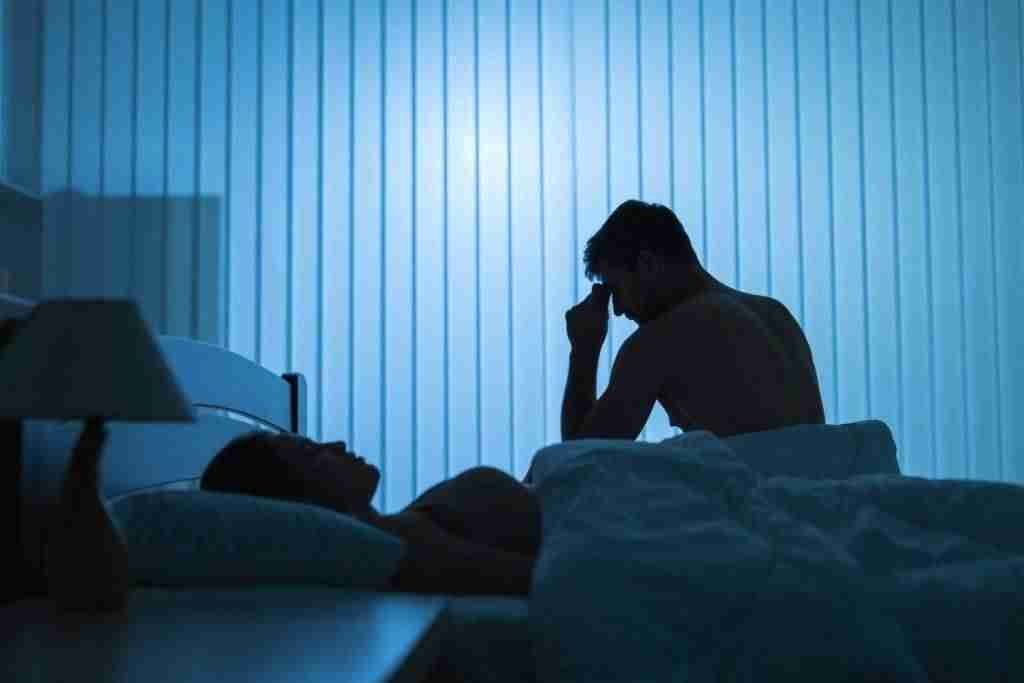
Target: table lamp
<point>91,360</point>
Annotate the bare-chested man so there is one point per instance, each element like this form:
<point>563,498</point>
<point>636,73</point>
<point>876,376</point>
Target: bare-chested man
<point>714,357</point>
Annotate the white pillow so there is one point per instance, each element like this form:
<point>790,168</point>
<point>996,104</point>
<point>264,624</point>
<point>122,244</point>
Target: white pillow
<point>196,538</point>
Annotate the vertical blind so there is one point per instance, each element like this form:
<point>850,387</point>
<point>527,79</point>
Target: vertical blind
<point>392,197</point>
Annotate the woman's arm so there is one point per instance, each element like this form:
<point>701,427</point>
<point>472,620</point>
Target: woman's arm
<point>439,562</point>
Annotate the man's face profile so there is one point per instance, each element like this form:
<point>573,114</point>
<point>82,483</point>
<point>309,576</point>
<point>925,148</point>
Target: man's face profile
<point>627,293</point>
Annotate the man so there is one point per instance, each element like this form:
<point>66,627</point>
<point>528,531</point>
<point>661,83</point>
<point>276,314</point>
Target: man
<point>715,358</point>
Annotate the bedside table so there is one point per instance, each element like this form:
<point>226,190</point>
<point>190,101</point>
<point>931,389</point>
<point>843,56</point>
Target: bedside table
<point>13,574</point>
<point>262,634</point>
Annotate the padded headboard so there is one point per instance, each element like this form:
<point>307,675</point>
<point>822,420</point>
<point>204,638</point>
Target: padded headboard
<point>21,227</point>
<point>14,307</point>
<point>232,395</point>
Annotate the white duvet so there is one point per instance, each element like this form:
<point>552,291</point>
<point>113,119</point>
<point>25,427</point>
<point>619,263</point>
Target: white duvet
<point>675,562</point>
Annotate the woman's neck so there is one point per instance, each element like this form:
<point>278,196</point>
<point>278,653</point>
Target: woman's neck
<point>370,516</point>
<point>398,524</point>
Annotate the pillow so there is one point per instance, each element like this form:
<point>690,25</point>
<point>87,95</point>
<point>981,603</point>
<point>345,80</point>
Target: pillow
<point>196,538</point>
<point>819,451</point>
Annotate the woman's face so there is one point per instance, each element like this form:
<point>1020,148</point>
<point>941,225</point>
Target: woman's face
<point>332,476</point>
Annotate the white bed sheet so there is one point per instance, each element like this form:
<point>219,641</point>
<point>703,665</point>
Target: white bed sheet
<point>488,638</point>
<point>680,563</point>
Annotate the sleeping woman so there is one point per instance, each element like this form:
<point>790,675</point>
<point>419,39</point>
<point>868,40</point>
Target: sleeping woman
<point>477,533</point>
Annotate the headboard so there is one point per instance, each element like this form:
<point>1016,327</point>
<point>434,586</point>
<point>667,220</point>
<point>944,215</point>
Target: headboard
<point>14,306</point>
<point>232,395</point>
<point>21,224</point>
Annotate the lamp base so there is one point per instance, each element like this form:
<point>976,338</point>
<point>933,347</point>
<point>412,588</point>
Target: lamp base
<point>86,560</point>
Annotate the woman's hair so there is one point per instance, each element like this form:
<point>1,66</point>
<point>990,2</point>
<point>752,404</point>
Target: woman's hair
<point>249,464</point>
<point>633,227</point>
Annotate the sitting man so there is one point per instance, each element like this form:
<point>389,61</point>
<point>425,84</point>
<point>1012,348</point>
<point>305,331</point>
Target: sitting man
<point>715,358</point>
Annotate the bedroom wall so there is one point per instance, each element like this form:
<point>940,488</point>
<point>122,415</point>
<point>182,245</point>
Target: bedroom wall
<point>405,189</point>
<point>20,56</point>
<point>20,216</point>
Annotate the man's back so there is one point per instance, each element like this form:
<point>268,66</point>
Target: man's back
<point>733,363</point>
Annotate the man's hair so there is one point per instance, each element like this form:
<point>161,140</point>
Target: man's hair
<point>633,227</point>
<point>248,464</point>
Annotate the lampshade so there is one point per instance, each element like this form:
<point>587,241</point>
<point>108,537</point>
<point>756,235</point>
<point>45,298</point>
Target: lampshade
<point>81,358</point>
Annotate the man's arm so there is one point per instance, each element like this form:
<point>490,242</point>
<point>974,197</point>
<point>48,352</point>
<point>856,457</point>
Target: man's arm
<point>580,389</point>
<point>586,325</point>
<point>623,409</point>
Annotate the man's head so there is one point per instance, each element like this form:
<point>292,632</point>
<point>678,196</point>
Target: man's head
<point>640,253</point>
<point>291,467</point>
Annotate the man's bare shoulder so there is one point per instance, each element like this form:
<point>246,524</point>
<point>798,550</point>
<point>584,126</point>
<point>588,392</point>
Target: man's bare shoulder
<point>705,320</point>
<point>690,320</point>
<point>726,304</point>
<point>694,313</point>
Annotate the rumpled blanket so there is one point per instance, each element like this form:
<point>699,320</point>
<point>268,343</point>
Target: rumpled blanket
<point>676,562</point>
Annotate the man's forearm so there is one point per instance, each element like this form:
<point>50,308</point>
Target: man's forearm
<point>580,390</point>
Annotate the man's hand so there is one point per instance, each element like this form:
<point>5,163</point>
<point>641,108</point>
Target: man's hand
<point>586,323</point>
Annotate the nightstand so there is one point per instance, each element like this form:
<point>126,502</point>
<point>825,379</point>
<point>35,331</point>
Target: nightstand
<point>259,634</point>
<point>13,574</point>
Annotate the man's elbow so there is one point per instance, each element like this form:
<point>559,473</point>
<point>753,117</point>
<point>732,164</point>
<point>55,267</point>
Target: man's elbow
<point>580,431</point>
<point>573,434</point>
<point>603,432</point>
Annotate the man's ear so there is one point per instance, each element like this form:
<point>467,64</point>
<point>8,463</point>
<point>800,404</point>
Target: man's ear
<point>648,265</point>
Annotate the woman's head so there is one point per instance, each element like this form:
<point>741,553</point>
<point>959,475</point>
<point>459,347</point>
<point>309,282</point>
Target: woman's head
<point>292,467</point>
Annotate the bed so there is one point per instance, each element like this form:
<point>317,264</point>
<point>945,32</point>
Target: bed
<point>734,586</point>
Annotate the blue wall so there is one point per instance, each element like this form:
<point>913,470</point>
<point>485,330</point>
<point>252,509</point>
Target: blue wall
<point>20,56</point>
<point>400,193</point>
<point>20,219</point>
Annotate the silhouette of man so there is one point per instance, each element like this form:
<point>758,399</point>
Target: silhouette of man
<point>714,357</point>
